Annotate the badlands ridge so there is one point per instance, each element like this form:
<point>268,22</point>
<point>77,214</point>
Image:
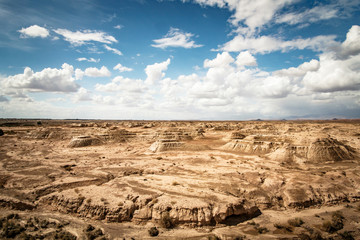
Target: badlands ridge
<point>198,180</point>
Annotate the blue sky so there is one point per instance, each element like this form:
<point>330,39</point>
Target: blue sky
<point>173,59</point>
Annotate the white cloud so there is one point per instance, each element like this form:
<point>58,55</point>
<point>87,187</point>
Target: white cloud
<point>245,59</point>
<point>252,13</point>
<point>47,80</point>
<point>221,60</point>
<point>83,37</point>
<point>114,50</point>
<point>299,71</point>
<point>155,72</point>
<point>122,68</point>
<point>351,45</point>
<point>274,87</point>
<point>315,14</point>
<point>34,31</point>
<point>79,74</point>
<point>88,59</point>
<point>118,27</point>
<point>267,44</point>
<point>121,84</point>
<point>176,38</point>
<point>95,72</point>
<point>82,95</point>
<point>105,100</point>
<point>334,75</point>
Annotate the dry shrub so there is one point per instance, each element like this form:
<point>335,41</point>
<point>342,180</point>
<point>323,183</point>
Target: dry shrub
<point>296,222</point>
<point>166,221</point>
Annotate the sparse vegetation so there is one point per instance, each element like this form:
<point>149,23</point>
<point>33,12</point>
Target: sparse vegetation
<point>346,235</point>
<point>213,237</point>
<point>166,220</point>
<point>261,230</point>
<point>153,232</point>
<point>304,236</point>
<point>335,224</point>
<point>296,222</point>
<point>64,235</point>
<point>285,227</point>
<point>11,229</point>
<point>175,183</point>
<point>93,233</point>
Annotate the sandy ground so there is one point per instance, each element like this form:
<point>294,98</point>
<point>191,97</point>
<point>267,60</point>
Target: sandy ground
<point>191,180</point>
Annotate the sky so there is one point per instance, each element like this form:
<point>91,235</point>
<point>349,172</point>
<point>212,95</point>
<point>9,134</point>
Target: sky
<point>180,59</point>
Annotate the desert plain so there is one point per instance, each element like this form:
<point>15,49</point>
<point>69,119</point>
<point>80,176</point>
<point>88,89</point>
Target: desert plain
<point>96,179</point>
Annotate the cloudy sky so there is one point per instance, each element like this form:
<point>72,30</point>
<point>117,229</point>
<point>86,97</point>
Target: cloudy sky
<point>180,59</point>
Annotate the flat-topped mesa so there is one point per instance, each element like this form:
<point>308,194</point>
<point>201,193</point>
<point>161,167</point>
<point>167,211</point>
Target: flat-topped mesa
<point>83,141</point>
<point>162,145</point>
<point>321,150</point>
<point>251,147</point>
<point>47,133</point>
<point>176,134</point>
<point>121,135</point>
<point>237,135</point>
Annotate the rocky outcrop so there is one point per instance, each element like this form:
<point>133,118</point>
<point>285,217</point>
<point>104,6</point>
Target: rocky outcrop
<point>251,147</point>
<point>13,203</point>
<point>202,215</point>
<point>83,141</point>
<point>166,145</point>
<point>143,209</point>
<point>329,149</point>
<point>321,150</point>
<point>47,133</point>
<point>121,135</point>
<point>237,135</point>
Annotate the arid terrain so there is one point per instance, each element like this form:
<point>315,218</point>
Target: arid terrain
<point>87,179</point>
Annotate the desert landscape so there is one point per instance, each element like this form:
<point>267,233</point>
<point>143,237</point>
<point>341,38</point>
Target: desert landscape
<point>88,179</point>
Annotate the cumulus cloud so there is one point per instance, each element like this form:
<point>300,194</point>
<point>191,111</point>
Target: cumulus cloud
<point>86,36</point>
<point>334,75</point>
<point>245,59</point>
<point>47,80</point>
<point>88,59</point>
<point>79,74</point>
<point>105,100</point>
<point>252,13</point>
<point>34,31</point>
<point>122,68</point>
<point>121,84</point>
<point>176,38</point>
<point>221,60</point>
<point>155,72</point>
<point>92,72</point>
<point>299,71</point>
<point>114,50</point>
<point>274,87</point>
<point>267,44</point>
<point>351,45</point>
<point>95,72</point>
<point>82,95</point>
